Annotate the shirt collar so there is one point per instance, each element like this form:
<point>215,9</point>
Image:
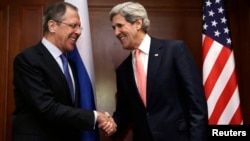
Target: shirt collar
<point>55,51</point>
<point>145,44</point>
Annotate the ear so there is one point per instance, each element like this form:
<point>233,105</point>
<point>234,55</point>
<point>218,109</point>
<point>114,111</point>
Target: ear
<point>52,26</point>
<point>138,24</point>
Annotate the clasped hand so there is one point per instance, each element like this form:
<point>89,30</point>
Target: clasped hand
<point>106,123</point>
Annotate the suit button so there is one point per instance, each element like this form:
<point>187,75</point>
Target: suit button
<point>147,114</point>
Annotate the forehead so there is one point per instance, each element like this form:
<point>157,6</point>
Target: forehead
<point>118,19</point>
<point>70,13</point>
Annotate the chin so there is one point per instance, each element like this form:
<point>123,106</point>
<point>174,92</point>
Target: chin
<point>127,48</point>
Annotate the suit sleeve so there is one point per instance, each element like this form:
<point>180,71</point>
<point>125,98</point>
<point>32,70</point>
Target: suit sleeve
<point>194,93</point>
<point>40,90</point>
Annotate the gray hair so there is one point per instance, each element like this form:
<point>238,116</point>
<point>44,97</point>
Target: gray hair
<point>55,12</point>
<point>131,11</point>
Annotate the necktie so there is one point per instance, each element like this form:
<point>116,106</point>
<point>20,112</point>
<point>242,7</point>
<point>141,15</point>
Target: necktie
<point>67,75</point>
<point>140,76</point>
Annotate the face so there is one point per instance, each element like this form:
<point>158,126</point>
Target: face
<point>66,32</point>
<point>127,33</point>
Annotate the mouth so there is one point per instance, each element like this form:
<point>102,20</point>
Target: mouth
<point>122,37</point>
<point>73,39</point>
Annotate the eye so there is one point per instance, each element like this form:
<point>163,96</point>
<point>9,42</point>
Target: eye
<point>117,26</point>
<point>74,25</point>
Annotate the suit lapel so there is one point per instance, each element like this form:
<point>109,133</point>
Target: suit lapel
<point>54,67</point>
<point>50,61</point>
<point>155,57</point>
<point>130,78</point>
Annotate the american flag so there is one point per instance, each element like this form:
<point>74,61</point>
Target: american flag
<point>219,75</point>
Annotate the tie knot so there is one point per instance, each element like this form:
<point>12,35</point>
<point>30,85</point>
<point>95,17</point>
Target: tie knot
<point>64,57</point>
<point>137,52</point>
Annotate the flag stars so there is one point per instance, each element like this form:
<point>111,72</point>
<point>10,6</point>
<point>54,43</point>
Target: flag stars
<point>211,13</point>
<point>220,10</point>
<point>205,26</point>
<point>208,3</point>
<point>229,41</point>
<point>214,23</point>
<point>223,20</point>
<point>217,33</point>
<point>217,1</point>
<point>226,30</point>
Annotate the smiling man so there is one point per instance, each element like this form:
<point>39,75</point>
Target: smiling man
<point>46,89</point>
<point>159,88</point>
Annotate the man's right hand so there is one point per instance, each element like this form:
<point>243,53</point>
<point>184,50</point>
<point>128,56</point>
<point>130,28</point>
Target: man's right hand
<point>106,123</point>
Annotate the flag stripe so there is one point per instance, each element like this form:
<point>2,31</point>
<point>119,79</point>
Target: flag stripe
<point>219,74</point>
<point>216,70</point>
<point>212,53</point>
<point>237,116</point>
<point>207,43</point>
<point>218,88</point>
<point>223,101</point>
<point>230,109</point>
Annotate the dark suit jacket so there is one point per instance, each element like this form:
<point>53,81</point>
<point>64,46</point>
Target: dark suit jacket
<point>176,105</point>
<point>44,110</point>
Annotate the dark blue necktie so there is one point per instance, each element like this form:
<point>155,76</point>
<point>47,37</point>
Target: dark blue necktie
<point>67,75</point>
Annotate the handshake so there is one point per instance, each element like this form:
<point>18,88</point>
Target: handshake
<point>106,123</point>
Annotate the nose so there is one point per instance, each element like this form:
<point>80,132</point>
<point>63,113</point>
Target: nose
<point>117,31</point>
<point>78,31</point>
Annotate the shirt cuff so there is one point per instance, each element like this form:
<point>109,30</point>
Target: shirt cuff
<point>95,113</point>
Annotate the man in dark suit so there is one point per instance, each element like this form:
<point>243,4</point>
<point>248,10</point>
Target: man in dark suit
<point>45,110</point>
<point>175,107</point>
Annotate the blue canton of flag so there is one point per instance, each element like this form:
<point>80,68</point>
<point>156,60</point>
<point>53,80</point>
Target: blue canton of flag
<point>215,22</point>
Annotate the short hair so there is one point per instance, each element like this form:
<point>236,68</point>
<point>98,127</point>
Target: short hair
<point>55,12</point>
<point>131,11</point>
